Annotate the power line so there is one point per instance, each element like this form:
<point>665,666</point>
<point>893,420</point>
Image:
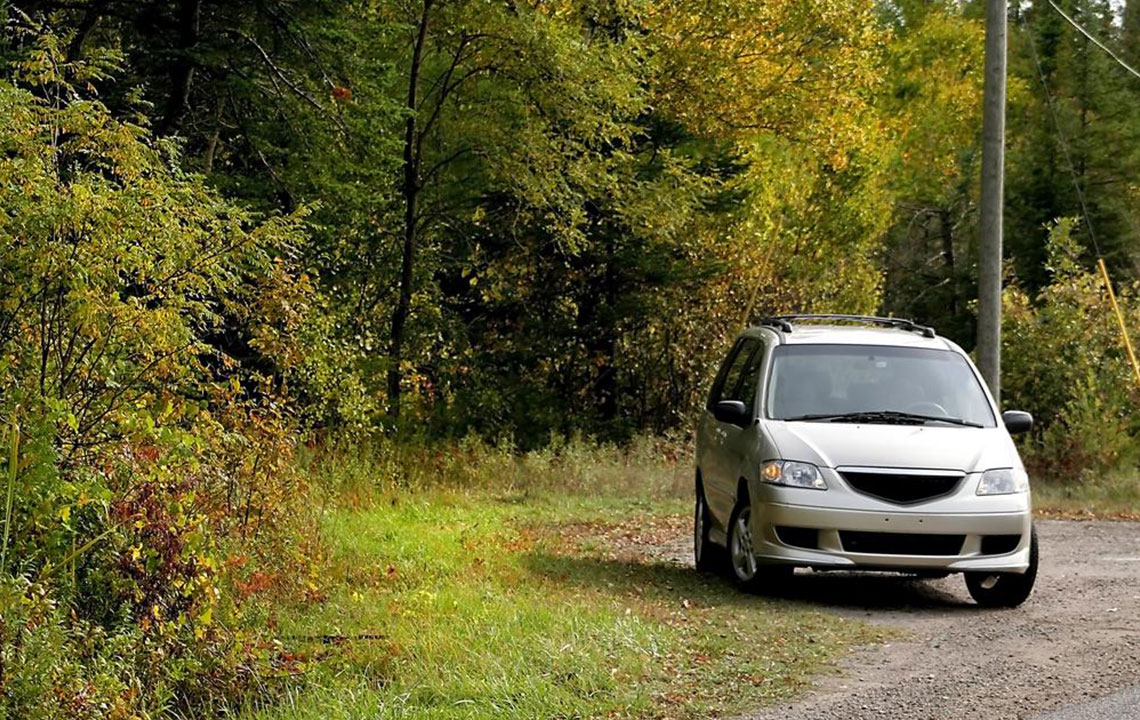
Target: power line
<point>1057,123</point>
<point>1076,180</point>
<point>1096,42</point>
<point>1114,56</point>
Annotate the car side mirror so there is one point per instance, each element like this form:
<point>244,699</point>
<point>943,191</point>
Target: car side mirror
<point>1017,421</point>
<point>732,412</point>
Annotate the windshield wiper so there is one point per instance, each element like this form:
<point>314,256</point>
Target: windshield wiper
<point>884,416</point>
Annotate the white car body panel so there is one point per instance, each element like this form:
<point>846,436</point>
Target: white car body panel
<point>899,446</point>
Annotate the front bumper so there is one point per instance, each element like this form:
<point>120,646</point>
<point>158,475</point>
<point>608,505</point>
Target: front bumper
<point>840,514</point>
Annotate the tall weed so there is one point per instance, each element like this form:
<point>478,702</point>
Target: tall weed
<point>361,473</point>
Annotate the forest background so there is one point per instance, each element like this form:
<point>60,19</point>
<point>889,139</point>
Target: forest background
<point>240,239</point>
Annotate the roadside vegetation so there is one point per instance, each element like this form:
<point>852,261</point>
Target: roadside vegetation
<point>1113,497</point>
<point>1065,363</point>
<point>305,308</point>
<point>506,586</point>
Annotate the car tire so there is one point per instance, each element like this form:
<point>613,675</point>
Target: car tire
<point>748,574</point>
<point>1005,590</point>
<point>707,555</point>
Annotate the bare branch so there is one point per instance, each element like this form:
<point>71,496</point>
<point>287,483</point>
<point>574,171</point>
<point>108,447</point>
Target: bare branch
<point>276,73</point>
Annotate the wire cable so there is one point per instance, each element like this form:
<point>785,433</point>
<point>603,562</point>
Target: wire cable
<point>1098,43</point>
<point>1131,220</point>
<point>1049,100</point>
<point>1076,179</point>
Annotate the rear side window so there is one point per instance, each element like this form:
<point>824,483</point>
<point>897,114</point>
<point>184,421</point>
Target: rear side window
<point>749,381</point>
<point>727,385</point>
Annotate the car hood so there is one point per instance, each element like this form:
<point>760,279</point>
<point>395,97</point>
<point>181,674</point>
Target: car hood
<point>902,446</point>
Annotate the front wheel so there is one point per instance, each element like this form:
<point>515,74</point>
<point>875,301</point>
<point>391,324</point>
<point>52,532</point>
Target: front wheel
<point>1005,590</point>
<point>749,574</point>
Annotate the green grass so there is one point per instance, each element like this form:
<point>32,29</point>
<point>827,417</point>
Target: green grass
<point>535,602</point>
<point>1115,495</point>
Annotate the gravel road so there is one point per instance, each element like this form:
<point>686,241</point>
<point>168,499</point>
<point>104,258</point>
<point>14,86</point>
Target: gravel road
<point>1076,639</point>
<point>1124,705</point>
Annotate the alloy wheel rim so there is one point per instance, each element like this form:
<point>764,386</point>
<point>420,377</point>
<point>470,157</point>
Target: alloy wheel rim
<point>743,558</point>
<point>989,582</point>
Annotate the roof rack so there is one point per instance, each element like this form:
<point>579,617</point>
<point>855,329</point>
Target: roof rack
<point>784,322</point>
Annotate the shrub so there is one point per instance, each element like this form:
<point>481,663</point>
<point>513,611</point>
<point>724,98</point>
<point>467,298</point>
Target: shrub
<point>150,436</point>
<point>1064,362</point>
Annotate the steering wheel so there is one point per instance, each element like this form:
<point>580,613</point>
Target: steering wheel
<point>925,407</point>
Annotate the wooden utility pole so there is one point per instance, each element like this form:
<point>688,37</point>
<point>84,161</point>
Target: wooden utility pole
<point>993,170</point>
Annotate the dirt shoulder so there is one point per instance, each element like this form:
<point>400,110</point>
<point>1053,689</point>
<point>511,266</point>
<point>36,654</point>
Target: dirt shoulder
<point>1077,638</point>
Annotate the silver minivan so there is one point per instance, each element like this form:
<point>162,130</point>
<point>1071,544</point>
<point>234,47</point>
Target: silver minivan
<point>850,442</point>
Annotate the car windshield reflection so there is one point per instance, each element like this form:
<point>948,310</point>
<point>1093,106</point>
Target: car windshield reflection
<point>857,383</point>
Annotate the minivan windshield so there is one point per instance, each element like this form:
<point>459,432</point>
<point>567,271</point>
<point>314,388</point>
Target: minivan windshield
<point>873,383</point>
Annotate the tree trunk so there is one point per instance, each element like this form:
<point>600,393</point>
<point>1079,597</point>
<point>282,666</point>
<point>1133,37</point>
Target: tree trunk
<point>88,23</point>
<point>606,381</point>
<point>212,141</point>
<point>411,192</point>
<point>182,73</point>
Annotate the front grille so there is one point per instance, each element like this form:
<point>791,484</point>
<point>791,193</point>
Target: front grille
<point>999,544</point>
<point>902,489</point>
<point>798,537</point>
<point>882,543</point>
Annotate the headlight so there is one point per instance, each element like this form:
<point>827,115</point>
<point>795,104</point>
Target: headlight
<point>793,474</point>
<point>1003,481</point>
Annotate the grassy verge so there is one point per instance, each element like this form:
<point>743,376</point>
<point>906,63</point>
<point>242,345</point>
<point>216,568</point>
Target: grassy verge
<point>1115,496</point>
<point>536,588</point>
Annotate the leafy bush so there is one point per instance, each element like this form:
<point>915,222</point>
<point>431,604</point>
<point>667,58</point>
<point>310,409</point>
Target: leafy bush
<point>150,438</point>
<point>1064,362</point>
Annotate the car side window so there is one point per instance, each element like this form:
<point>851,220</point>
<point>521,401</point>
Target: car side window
<point>718,382</point>
<point>745,390</point>
<point>729,383</point>
<point>722,374</point>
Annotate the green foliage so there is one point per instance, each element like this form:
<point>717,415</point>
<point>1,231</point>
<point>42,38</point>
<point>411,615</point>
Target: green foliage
<point>133,330</point>
<point>1094,104</point>
<point>577,226</point>
<point>600,197</point>
<point>934,101</point>
<point>1065,363</point>
<point>934,98</point>
<point>708,209</point>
